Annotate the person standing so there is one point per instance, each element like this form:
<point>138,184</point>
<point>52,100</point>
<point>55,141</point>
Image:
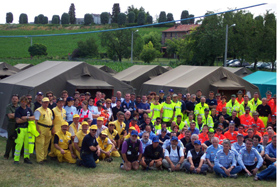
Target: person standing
<point>38,99</point>
<point>43,120</point>
<point>23,114</point>
<point>10,112</point>
<point>52,104</point>
<point>70,110</point>
<point>167,112</point>
<point>264,111</point>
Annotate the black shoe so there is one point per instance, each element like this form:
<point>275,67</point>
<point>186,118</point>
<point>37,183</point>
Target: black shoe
<point>16,162</point>
<point>6,157</point>
<point>204,173</point>
<point>78,163</point>
<point>53,158</point>
<point>27,161</point>
<point>41,163</point>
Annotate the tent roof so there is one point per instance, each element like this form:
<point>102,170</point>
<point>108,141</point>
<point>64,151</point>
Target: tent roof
<point>105,68</point>
<point>240,71</point>
<point>227,84</point>
<point>23,66</point>
<point>86,82</point>
<point>261,77</point>
<point>167,67</point>
<point>7,69</point>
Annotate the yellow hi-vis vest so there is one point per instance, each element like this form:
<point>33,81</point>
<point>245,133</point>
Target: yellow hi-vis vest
<point>231,108</point>
<point>120,128</point>
<point>59,118</point>
<point>181,125</point>
<point>63,139</point>
<point>156,109</point>
<point>74,128</point>
<point>168,110</point>
<point>46,116</point>
<point>111,136</point>
<point>178,111</point>
<point>255,105</point>
<point>32,133</point>
<point>242,108</point>
<point>209,121</point>
<point>199,109</point>
<point>188,122</point>
<point>80,135</point>
<point>103,144</point>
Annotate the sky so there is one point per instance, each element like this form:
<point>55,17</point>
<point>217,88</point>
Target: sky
<point>57,7</point>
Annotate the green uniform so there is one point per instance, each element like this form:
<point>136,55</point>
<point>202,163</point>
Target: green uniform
<point>178,109</point>
<point>231,107</point>
<point>181,125</point>
<point>168,110</point>
<point>156,109</point>
<point>199,109</point>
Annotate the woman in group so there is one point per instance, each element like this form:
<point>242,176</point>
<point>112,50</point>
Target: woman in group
<point>85,112</point>
<point>70,109</point>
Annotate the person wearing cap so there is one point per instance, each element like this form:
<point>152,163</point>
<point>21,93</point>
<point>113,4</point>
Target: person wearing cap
<point>222,104</point>
<point>63,145</point>
<point>211,101</point>
<point>38,98</point>
<point>195,160</point>
<point>237,146</point>
<point>52,104</point>
<point>225,162</point>
<point>232,105</point>
<point>70,110</point>
<point>87,96</point>
<point>247,158</point>
<point>114,138</point>
<point>152,156</point>
<point>190,105</point>
<point>133,123</point>
<point>155,109</point>
<point>178,107</point>
<point>100,126</point>
<point>264,111</point>
<point>106,147</point>
<point>273,123</point>
<point>78,139</point>
<point>167,112</point>
<point>240,98</point>
<point>207,119</point>
<point>171,92</point>
<point>75,126</point>
<point>219,135</point>
<point>211,153</point>
<point>163,136</point>
<point>255,102</point>
<point>203,136</point>
<point>43,120</point>
<point>161,96</point>
<point>146,140</point>
<point>246,118</point>
<point>173,156</point>
<point>131,152</point>
<point>200,107</point>
<point>129,133</point>
<point>167,142</point>
<point>10,112</point>
<point>109,108</point>
<point>256,120</point>
<point>90,150</point>
<point>198,95</point>
<point>76,94</point>
<point>231,134</point>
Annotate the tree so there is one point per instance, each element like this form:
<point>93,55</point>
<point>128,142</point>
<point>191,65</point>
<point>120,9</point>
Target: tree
<point>162,17</point>
<point>121,19</point>
<point>117,43</point>
<point>88,19</point>
<point>153,37</point>
<point>55,19</point>
<point>65,19</point>
<point>37,50</point>
<point>45,20</point>
<point>184,15</point>
<point>149,20</point>
<point>36,20</point>
<point>104,18</point>
<point>72,15</point>
<point>87,48</point>
<point>9,17</point>
<point>115,12</point>
<point>40,18</point>
<point>191,21</point>
<point>136,12</point>
<point>23,19</point>
<point>141,18</point>
<point>169,17</point>
<point>131,17</point>
<point>138,44</point>
<point>149,53</point>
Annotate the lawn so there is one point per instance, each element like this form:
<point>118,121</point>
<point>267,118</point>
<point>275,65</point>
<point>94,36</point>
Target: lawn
<point>106,174</point>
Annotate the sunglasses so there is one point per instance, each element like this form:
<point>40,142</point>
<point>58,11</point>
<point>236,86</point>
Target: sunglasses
<point>93,130</point>
<point>49,96</point>
<point>111,125</point>
<point>29,98</point>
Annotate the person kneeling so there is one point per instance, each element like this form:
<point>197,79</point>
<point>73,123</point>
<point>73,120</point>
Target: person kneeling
<point>63,145</point>
<point>195,159</point>
<point>153,155</point>
<point>106,147</point>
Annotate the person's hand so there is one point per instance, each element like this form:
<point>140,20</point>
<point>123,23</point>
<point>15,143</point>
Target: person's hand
<point>248,172</point>
<point>62,151</point>
<point>212,165</point>
<point>53,131</point>
<point>73,155</point>
<point>178,166</point>
<point>227,171</point>
<point>255,171</point>
<point>172,167</point>
<point>107,153</point>
<point>151,163</point>
<point>273,159</point>
<point>192,167</point>
<point>198,170</point>
<point>98,152</point>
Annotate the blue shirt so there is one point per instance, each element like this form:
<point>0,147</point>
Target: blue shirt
<point>259,148</point>
<point>270,150</point>
<point>70,112</point>
<point>248,159</point>
<point>223,160</point>
<point>237,147</point>
<point>211,102</point>
<point>167,143</point>
<point>211,152</point>
<point>144,145</point>
<point>196,131</point>
<point>144,106</point>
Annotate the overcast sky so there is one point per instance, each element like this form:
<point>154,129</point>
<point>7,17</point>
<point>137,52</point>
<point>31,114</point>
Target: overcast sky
<point>52,7</point>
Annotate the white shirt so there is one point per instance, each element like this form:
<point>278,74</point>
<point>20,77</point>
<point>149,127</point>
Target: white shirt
<point>190,155</point>
<point>71,130</point>
<point>93,109</point>
<point>76,140</point>
<point>85,113</point>
<point>173,155</point>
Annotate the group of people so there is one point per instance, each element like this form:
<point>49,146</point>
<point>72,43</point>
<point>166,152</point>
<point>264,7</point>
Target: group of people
<point>177,132</point>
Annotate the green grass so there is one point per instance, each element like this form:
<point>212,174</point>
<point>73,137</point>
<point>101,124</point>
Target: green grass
<point>106,174</point>
<point>58,46</point>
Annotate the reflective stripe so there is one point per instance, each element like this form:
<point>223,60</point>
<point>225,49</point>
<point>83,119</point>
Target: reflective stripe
<point>166,118</point>
<point>26,149</point>
<point>164,107</point>
<point>30,137</point>
<point>17,151</point>
<point>31,142</point>
<point>16,154</point>
<point>156,109</point>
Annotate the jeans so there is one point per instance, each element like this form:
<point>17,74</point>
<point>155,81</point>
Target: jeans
<point>88,160</point>
<point>187,165</point>
<point>268,173</point>
<point>219,170</point>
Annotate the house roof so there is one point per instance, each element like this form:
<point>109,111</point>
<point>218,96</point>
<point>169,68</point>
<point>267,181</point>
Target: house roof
<point>7,69</point>
<point>240,71</point>
<point>23,66</point>
<point>181,28</point>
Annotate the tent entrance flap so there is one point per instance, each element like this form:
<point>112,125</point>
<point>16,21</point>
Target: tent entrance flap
<point>226,84</point>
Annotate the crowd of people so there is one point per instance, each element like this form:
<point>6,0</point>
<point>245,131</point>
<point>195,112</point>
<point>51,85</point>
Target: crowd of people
<point>170,131</point>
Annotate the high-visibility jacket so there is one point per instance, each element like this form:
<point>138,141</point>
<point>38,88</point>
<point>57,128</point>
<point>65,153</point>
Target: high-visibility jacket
<point>259,123</point>
<point>178,109</point>
<point>242,108</point>
<point>32,134</point>
<point>111,136</point>
<point>208,121</point>
<point>221,138</point>
<point>231,108</point>
<point>46,116</point>
<point>168,110</point>
<point>241,101</point>
<point>203,138</point>
<point>199,109</point>
<point>232,137</point>
<point>74,128</point>
<point>272,105</point>
<point>181,124</point>
<point>59,118</point>
<point>157,127</point>
<point>255,105</point>
<point>221,106</point>
<point>120,128</point>
<point>80,135</point>
<point>103,144</point>
<point>245,120</point>
<point>188,123</point>
<point>156,109</point>
<point>63,139</point>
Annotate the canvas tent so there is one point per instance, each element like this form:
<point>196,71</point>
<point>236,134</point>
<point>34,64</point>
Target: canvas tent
<point>191,78</point>
<point>240,71</point>
<point>138,74</point>
<point>58,76</point>
<point>264,80</point>
<point>22,66</point>
<point>7,70</point>
<point>106,69</point>
<point>167,67</point>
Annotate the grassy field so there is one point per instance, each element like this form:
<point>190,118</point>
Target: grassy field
<point>58,46</point>
<point>106,174</point>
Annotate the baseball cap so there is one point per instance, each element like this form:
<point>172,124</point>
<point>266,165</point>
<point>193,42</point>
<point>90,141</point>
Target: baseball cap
<point>219,128</point>
<point>206,109</point>
<point>93,127</point>
<point>268,93</point>
<point>155,139</point>
<point>45,99</point>
<point>76,116</point>
<point>211,130</point>
<point>99,103</point>
<point>84,123</point>
<point>197,142</point>
<point>134,132</point>
<point>161,91</point>
<point>87,93</point>
<point>171,90</point>
<point>104,133</point>
<point>134,119</point>
<point>111,123</point>
<point>163,130</point>
<point>239,134</point>
<point>40,93</point>
<point>100,118</point>
<point>174,95</point>
<point>60,99</point>
<point>233,95</point>
<point>240,92</point>
<point>131,128</point>
<point>64,123</point>
<point>77,92</point>
<point>255,113</point>
<point>247,108</point>
<point>174,138</point>
<point>69,99</point>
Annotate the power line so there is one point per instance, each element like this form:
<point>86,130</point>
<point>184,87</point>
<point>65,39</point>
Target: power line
<point>133,27</point>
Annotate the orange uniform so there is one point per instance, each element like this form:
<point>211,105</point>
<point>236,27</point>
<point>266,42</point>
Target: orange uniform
<point>245,120</point>
<point>181,136</point>
<point>221,138</point>
<point>105,117</point>
<point>220,106</point>
<point>136,127</point>
<point>232,137</point>
<point>203,138</point>
<point>259,123</point>
<point>241,101</point>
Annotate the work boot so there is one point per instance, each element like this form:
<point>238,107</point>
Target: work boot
<point>27,161</point>
<point>16,162</point>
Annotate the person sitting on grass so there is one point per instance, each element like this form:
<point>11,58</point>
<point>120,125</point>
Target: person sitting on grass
<point>267,174</point>
<point>106,147</point>
<point>153,155</point>
<point>211,153</point>
<point>145,140</point>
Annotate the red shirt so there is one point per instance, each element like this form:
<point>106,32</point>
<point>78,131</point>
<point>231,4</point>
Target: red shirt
<point>136,127</point>
<point>220,106</point>
<point>203,138</point>
<point>221,138</point>
<point>181,136</point>
<point>104,116</point>
<point>232,137</point>
<point>259,123</point>
<point>95,101</point>
<point>245,120</point>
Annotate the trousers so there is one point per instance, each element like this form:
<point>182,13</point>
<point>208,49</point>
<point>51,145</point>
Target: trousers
<point>268,173</point>
<point>42,143</point>
<point>67,157</point>
<point>22,140</point>
<point>219,170</point>
<point>102,155</point>
<point>187,165</point>
<point>88,160</point>
<point>10,145</point>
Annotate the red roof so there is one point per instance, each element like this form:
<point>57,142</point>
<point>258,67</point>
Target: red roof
<point>182,28</point>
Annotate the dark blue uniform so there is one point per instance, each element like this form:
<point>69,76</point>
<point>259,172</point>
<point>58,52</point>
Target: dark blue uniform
<point>88,157</point>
